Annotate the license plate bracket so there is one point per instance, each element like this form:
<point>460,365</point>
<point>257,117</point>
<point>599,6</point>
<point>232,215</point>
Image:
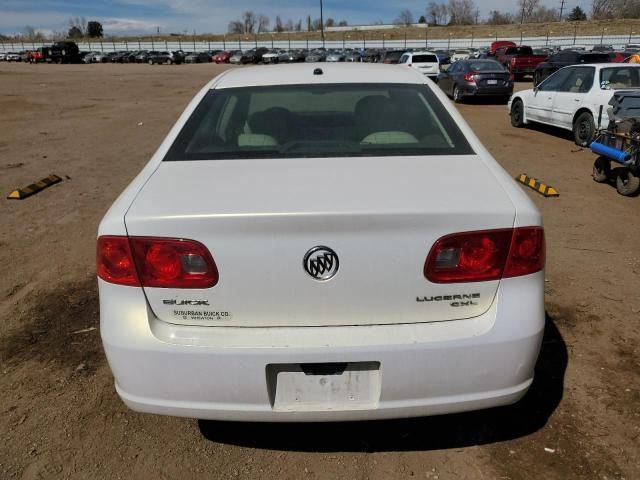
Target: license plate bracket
<point>492,82</point>
<point>324,386</point>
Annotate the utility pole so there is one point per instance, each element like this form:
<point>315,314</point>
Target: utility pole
<point>562,2</point>
<point>321,23</point>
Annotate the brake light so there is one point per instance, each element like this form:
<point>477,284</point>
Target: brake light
<point>527,254</point>
<point>114,262</point>
<point>156,262</point>
<point>486,255</point>
<point>468,77</point>
<point>513,60</point>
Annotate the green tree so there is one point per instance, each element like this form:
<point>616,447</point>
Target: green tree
<point>74,32</point>
<point>94,29</point>
<point>577,15</point>
<point>422,19</point>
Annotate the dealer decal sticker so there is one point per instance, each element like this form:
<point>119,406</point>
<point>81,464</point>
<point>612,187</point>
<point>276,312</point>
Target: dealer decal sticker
<point>202,315</point>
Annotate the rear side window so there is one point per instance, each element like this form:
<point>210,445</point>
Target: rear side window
<point>332,120</point>
<point>617,78</point>
<point>425,59</point>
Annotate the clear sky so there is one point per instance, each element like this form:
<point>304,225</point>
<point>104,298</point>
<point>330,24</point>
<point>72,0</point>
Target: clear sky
<point>209,16</point>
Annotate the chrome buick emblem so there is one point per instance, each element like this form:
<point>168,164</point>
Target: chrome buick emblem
<point>321,263</point>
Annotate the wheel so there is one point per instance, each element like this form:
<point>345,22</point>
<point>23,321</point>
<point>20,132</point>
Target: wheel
<point>169,62</point>
<point>150,62</point>
<point>601,169</point>
<point>517,114</point>
<point>627,183</point>
<point>457,95</point>
<point>584,129</point>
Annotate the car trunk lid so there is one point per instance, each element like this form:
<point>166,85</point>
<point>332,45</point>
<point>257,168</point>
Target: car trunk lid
<point>380,216</point>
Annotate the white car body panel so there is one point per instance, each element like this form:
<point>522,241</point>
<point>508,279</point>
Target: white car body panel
<point>381,214</point>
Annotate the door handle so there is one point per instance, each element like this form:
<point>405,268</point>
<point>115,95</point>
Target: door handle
<point>577,100</point>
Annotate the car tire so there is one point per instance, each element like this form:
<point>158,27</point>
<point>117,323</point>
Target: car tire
<point>517,114</point>
<point>169,62</point>
<point>150,62</point>
<point>584,129</point>
<point>457,94</point>
<point>627,182</point>
<point>601,170</point>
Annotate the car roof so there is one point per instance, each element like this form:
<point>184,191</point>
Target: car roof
<point>272,75</point>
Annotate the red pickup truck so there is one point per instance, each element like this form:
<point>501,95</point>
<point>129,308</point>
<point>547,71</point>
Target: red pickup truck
<point>520,61</point>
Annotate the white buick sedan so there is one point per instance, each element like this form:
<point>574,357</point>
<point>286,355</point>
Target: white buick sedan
<point>321,244</point>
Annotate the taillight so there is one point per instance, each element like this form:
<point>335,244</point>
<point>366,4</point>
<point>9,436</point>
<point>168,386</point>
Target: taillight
<point>513,60</point>
<point>468,77</point>
<point>114,262</point>
<point>527,253</point>
<point>486,255</point>
<point>159,262</point>
<point>512,78</point>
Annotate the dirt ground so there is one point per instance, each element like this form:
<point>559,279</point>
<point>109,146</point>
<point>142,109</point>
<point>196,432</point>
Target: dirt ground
<point>60,417</point>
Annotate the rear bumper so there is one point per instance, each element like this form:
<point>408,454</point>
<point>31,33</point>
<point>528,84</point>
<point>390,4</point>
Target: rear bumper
<point>219,373</point>
<point>486,91</point>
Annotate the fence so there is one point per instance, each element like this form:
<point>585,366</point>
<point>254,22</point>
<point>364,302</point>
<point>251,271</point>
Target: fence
<point>353,40</point>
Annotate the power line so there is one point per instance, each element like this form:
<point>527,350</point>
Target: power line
<point>562,8</point>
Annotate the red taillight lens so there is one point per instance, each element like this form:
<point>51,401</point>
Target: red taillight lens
<point>486,255</point>
<point>173,263</point>
<point>156,262</point>
<point>468,77</point>
<point>527,254</point>
<point>114,262</point>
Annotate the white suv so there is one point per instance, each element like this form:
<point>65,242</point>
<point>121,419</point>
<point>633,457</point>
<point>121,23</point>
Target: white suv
<point>574,98</point>
<point>426,63</point>
<point>321,243</point>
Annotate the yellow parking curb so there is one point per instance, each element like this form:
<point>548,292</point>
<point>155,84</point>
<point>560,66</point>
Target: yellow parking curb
<point>538,186</point>
<point>34,188</point>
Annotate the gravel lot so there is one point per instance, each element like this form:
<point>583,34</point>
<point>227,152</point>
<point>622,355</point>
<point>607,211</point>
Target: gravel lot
<point>60,417</point>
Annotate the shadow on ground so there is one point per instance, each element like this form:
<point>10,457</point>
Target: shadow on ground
<point>428,433</point>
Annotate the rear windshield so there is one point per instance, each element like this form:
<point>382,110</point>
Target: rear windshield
<point>486,66</point>
<point>424,59</point>
<point>520,51</point>
<point>594,58</point>
<point>331,120</point>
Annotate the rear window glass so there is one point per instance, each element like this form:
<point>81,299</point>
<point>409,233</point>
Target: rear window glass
<point>486,66</point>
<point>424,59</point>
<point>620,78</point>
<point>332,120</point>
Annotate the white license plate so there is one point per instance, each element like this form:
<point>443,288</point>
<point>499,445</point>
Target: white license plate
<point>492,82</point>
<point>355,387</point>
